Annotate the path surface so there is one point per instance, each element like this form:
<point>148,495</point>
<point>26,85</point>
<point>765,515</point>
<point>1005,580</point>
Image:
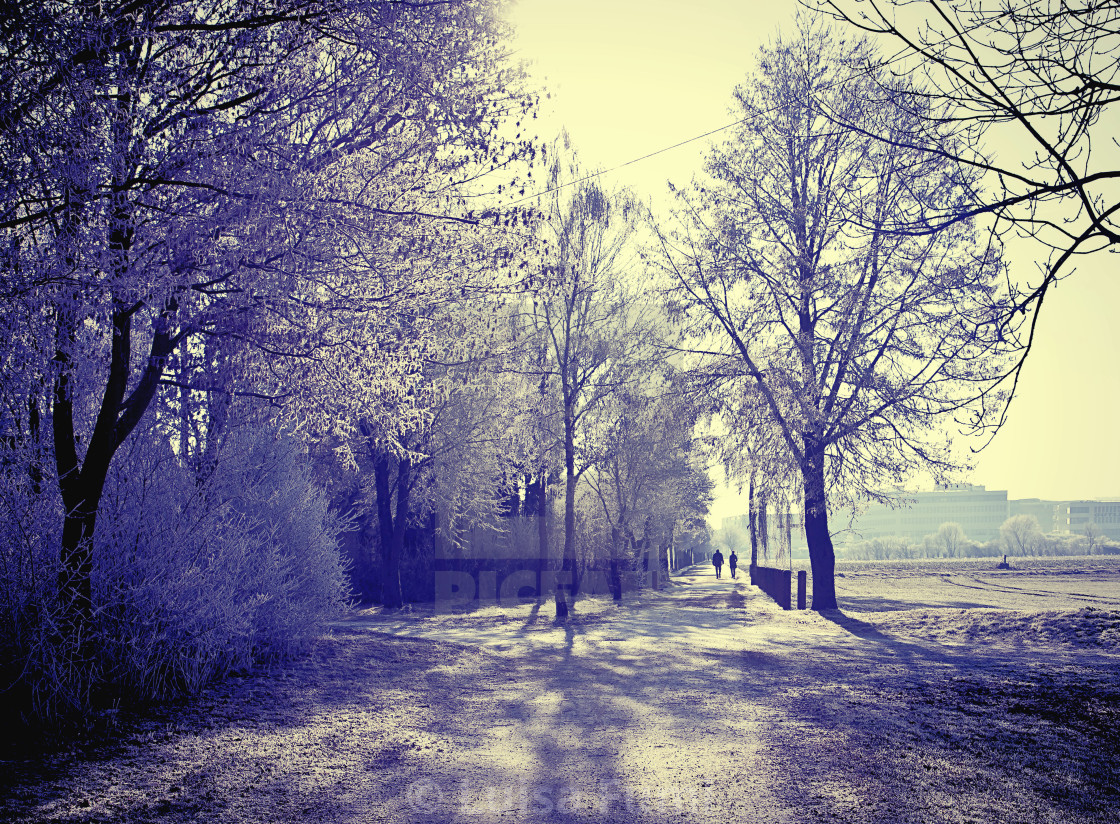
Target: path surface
<point>629,713</point>
<point>700,703</point>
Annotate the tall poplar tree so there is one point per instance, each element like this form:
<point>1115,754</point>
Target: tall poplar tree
<point>588,319</point>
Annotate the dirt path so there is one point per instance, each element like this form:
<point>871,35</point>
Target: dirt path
<point>703,702</point>
<point>627,714</point>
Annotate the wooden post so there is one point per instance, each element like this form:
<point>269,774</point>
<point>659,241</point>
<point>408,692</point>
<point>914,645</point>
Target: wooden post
<point>784,576</point>
<point>801,589</point>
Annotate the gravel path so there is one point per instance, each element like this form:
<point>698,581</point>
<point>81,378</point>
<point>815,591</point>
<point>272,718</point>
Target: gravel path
<point>703,702</point>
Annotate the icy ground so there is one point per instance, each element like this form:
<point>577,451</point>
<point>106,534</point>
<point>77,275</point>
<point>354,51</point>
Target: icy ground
<point>700,703</point>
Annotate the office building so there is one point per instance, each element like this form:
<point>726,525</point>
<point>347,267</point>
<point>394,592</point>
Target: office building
<point>979,511</point>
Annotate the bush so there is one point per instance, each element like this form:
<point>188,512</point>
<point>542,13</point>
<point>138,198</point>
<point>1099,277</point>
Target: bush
<point>29,555</point>
<point>191,580</point>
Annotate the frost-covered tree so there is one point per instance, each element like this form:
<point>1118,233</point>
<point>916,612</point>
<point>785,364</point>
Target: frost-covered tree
<point>645,475</point>
<point>588,317</point>
<point>184,171</point>
<point>1094,536</point>
<point>1021,535</point>
<point>859,342</point>
<point>452,465</point>
<point>952,539</point>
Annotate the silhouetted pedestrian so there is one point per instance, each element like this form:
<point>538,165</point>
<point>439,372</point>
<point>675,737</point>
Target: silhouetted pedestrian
<point>732,562</point>
<point>717,561</point>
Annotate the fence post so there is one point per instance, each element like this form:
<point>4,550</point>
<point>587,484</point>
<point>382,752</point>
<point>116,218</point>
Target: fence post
<point>801,589</point>
<point>786,588</point>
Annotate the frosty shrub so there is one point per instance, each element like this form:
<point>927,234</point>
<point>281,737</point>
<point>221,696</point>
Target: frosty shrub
<point>191,580</point>
<point>28,582</point>
<point>268,483</point>
<point>196,580</point>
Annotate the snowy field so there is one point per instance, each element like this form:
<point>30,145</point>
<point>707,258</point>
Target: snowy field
<point>1031,584</point>
<point>1068,602</point>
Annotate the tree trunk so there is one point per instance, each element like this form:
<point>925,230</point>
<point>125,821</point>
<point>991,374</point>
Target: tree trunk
<point>752,523</point>
<point>789,533</point>
<point>185,418</point>
<point>615,572</point>
<point>35,466</point>
<point>544,561</point>
<point>509,505</point>
<point>565,581</point>
<point>218,405</point>
<point>821,556</point>
<point>763,530</point>
<point>392,529</point>
<point>668,546</point>
<point>82,483</point>
<point>75,577</point>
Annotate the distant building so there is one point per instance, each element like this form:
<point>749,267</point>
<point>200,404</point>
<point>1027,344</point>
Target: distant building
<point>979,511</point>
<point>1074,515</point>
<point>1051,515</point>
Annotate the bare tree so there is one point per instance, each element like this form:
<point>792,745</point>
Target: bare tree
<point>1040,76</point>
<point>1021,535</point>
<point>1093,536</point>
<point>730,538</point>
<point>860,342</point>
<point>952,539</point>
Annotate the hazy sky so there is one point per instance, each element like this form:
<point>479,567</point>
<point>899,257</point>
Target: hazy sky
<point>630,77</point>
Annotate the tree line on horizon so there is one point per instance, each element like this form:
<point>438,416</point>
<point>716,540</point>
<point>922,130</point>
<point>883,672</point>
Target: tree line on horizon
<point>297,306</point>
<point>1020,536</point>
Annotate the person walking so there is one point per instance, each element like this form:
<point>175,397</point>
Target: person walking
<point>717,561</point>
<point>732,562</point>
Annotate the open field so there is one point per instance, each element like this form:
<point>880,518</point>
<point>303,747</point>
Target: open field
<point>1031,584</point>
<point>1067,601</point>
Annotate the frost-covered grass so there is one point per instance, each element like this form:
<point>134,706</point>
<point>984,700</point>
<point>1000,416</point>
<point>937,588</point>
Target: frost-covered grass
<point>704,702</point>
<point>1032,584</point>
<point>1089,627</point>
<point>1059,565</point>
<point>977,737</point>
<point>1065,601</point>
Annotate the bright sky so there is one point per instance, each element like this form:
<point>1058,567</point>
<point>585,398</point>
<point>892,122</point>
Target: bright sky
<point>631,77</point>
